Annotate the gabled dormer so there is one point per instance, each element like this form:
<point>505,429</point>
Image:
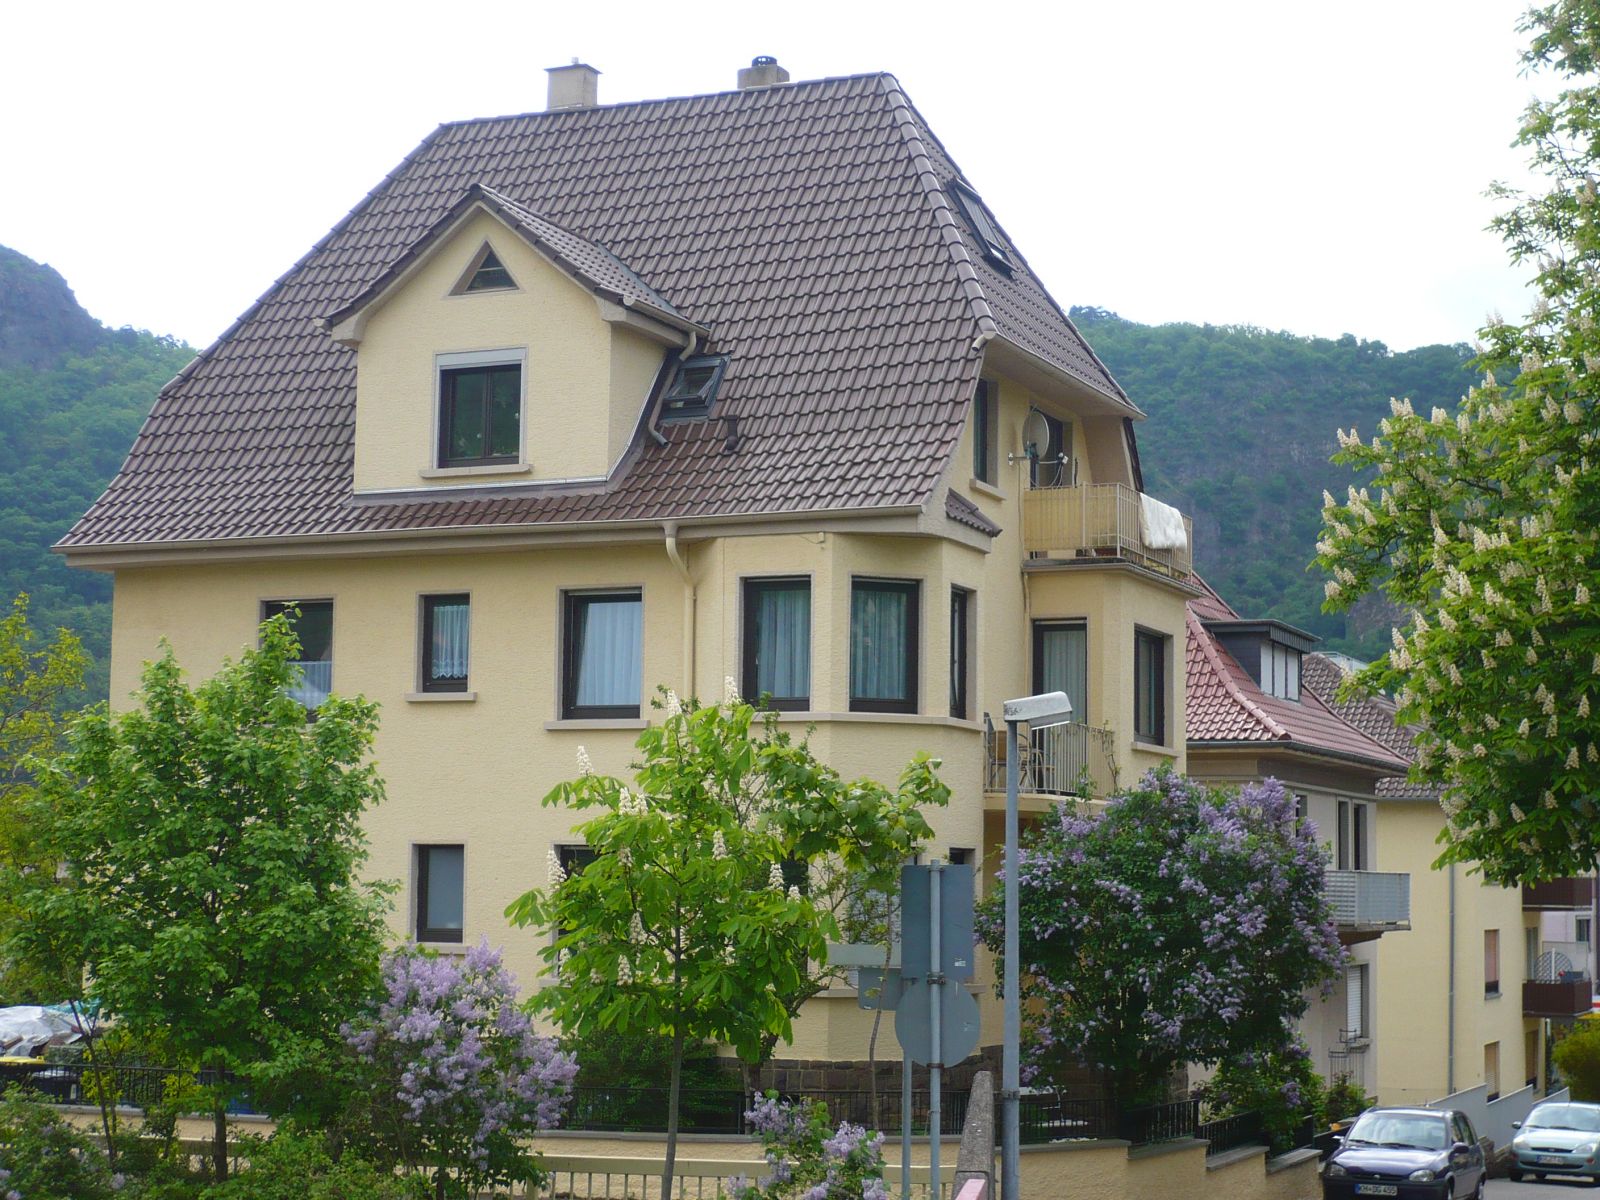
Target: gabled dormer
<point>1269,651</point>
<point>503,348</point>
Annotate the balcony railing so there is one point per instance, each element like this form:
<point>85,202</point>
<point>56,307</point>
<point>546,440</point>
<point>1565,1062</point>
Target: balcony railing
<point>1558,894</point>
<point>1098,521</point>
<point>1370,900</point>
<point>1557,998</point>
<point>1063,760</point>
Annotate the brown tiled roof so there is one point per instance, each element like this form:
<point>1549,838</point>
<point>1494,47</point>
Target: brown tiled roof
<point>1225,705</point>
<point>808,226</point>
<point>963,511</point>
<point>1374,716</point>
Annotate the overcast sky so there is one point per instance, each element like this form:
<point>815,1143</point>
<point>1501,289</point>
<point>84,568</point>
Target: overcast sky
<point>1317,168</point>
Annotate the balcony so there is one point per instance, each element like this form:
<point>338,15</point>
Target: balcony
<point>1063,760</point>
<point>1368,904</point>
<point>1556,997</point>
<point>1099,522</point>
<point>1558,895</point>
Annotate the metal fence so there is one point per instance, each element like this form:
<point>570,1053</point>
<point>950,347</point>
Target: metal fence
<point>1229,1133</point>
<point>1063,760</point>
<point>1370,899</point>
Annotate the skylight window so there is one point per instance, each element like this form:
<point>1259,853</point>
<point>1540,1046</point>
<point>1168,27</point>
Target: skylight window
<point>486,274</point>
<point>693,387</point>
<point>982,227</point>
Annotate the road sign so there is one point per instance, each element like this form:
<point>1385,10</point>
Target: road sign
<point>955,921</point>
<point>913,1023</point>
<point>877,988</point>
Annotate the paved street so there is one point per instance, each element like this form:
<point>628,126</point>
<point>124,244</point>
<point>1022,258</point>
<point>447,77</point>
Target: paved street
<point>1504,1189</point>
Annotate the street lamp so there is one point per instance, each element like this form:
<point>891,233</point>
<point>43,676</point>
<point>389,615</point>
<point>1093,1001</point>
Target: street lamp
<point>1038,712</point>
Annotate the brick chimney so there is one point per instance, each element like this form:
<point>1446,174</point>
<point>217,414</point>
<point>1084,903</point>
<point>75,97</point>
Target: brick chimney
<point>576,85</point>
<point>763,71</point>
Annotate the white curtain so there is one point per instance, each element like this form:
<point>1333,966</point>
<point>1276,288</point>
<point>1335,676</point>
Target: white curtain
<point>451,633</point>
<point>610,654</point>
<point>783,642</point>
<point>1064,654</point>
<point>878,644</point>
<point>316,681</point>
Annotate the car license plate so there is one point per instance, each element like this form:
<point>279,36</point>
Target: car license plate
<point>1558,1159</point>
<point>1377,1189</point>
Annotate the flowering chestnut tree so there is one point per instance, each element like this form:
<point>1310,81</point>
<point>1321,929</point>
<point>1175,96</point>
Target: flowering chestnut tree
<point>458,1076</point>
<point>1485,524</point>
<point>698,919</point>
<point>1179,924</point>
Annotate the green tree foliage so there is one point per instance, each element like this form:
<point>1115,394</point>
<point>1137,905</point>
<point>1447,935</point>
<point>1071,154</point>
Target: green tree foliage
<point>1577,1057</point>
<point>34,679</point>
<point>694,921</point>
<point>214,837</point>
<point>1240,434</point>
<point>1486,525</point>
<point>1179,924</point>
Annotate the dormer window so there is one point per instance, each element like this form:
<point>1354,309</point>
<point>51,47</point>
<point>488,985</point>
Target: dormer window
<point>983,229</point>
<point>1280,670</point>
<point>1268,650</point>
<point>480,409</point>
<point>486,274</point>
<point>694,387</point>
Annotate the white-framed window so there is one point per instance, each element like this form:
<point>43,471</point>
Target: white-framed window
<point>480,398</point>
<point>1280,670</point>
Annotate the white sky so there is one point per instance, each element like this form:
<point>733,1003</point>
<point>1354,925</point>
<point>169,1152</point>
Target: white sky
<point>1316,168</point>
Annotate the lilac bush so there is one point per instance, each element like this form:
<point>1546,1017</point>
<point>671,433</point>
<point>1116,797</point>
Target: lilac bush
<point>805,1162</point>
<point>460,1075</point>
<point>1179,923</point>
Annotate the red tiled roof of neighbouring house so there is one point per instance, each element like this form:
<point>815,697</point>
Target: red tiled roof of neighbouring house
<point>1226,706</point>
<point>1374,716</point>
<point>808,226</point>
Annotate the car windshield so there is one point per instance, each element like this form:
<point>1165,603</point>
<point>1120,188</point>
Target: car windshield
<point>1400,1131</point>
<point>1582,1117</point>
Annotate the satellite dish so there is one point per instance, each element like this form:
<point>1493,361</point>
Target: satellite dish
<point>1035,434</point>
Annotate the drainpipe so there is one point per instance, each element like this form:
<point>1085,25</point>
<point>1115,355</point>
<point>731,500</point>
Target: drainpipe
<point>690,600</point>
<point>1450,1010</point>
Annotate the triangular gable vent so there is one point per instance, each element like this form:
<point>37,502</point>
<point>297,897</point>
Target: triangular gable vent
<point>486,274</point>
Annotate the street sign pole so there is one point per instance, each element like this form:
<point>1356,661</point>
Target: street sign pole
<point>936,979</point>
<point>1011,1034</point>
<point>905,1124</point>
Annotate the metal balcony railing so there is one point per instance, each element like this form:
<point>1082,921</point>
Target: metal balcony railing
<point>1063,760</point>
<point>1370,899</point>
<point>1098,521</point>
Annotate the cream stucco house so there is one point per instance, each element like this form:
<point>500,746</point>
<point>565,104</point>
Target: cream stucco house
<point>586,401</point>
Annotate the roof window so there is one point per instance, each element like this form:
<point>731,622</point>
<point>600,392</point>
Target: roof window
<point>693,387</point>
<point>486,274</point>
<point>982,227</point>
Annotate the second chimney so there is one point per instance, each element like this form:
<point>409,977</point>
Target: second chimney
<point>763,71</point>
<point>576,85</point>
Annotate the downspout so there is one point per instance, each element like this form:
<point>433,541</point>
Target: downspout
<point>690,602</point>
<point>1450,1002</point>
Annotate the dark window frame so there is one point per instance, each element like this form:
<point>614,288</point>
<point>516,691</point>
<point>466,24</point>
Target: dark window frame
<point>961,606</point>
<point>571,603</point>
<point>748,639</point>
<point>985,427</point>
<point>679,402</point>
<point>1155,646</point>
<point>426,933</point>
<point>429,681</point>
<point>982,226</point>
<point>1042,625</point>
<point>1491,987</point>
<point>271,608</point>
<point>470,282</point>
<point>449,374</point>
<point>912,589</point>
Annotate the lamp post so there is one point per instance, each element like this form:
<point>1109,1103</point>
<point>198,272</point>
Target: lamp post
<point>1038,712</point>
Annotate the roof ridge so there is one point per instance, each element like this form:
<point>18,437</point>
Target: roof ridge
<point>1212,655</point>
<point>903,112</point>
<point>793,85</point>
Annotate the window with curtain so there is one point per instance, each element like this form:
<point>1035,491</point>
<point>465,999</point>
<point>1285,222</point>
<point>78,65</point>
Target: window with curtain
<point>985,413</point>
<point>883,645</point>
<point>960,652</point>
<point>777,642</point>
<point>603,654</point>
<point>441,893</point>
<point>1150,687</point>
<point>312,622</point>
<point>1061,663</point>
<point>1491,962</point>
<point>446,636</point>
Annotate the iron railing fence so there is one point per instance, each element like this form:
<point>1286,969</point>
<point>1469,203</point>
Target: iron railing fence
<point>1229,1133</point>
<point>1159,1122</point>
<point>78,1083</point>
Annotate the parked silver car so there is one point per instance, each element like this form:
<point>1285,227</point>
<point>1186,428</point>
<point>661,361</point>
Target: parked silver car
<point>1559,1138</point>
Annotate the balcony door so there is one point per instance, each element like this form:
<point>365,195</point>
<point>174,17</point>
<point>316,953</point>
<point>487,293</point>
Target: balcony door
<point>1050,464</point>
<point>1061,663</point>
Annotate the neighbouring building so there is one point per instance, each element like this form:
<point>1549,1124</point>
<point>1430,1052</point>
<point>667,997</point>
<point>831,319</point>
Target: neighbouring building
<point>582,402</point>
<point>1470,996</point>
<point>1252,716</point>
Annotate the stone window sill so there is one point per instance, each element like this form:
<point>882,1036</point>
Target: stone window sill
<point>441,697</point>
